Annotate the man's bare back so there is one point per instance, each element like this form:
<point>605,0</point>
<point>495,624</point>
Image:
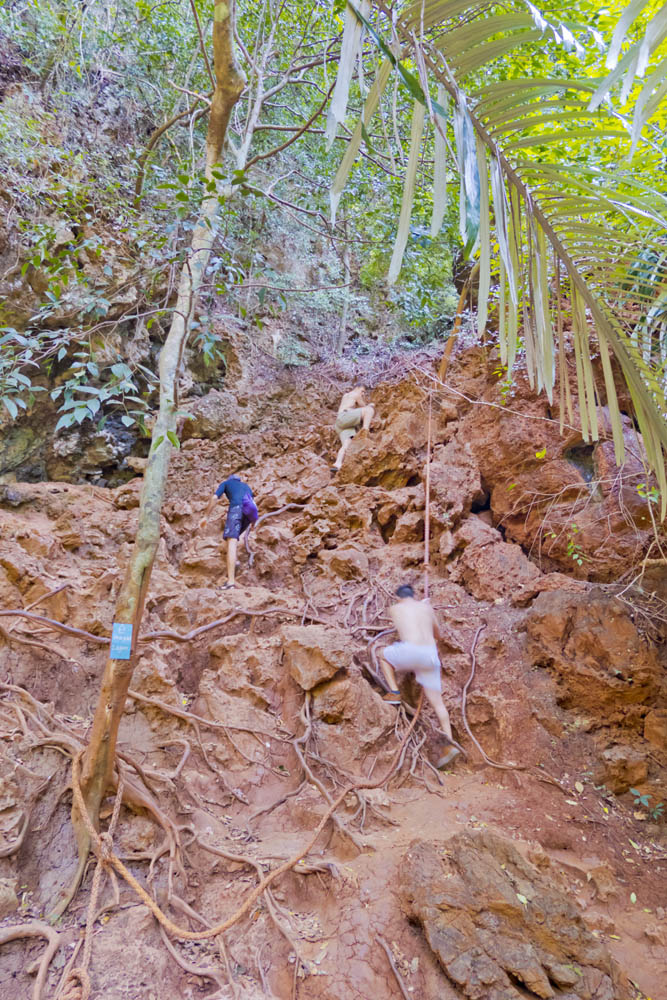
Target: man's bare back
<point>415,621</point>
<point>351,400</point>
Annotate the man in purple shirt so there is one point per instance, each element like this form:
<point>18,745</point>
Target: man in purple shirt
<point>241,516</point>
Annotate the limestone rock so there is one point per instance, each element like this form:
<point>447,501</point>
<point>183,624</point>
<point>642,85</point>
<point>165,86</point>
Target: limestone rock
<point>476,532</point>
<point>455,483</point>
<point>446,544</point>
<point>492,572</point>
<point>501,928</point>
<point>152,677</point>
<point>348,562</point>
<point>341,700</point>
<point>602,877</point>
<point>353,718</point>
<point>590,644</point>
<point>655,728</point>
<point>216,414</point>
<point>8,898</point>
<point>315,653</point>
<point>409,527</point>
<point>621,768</point>
<point>387,458</point>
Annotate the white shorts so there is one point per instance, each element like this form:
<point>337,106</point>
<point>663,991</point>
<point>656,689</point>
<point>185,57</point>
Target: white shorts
<point>423,661</point>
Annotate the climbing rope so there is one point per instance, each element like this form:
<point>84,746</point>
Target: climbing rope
<point>464,694</point>
<point>427,490</point>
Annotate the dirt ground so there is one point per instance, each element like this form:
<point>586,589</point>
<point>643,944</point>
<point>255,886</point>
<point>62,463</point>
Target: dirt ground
<point>545,879</point>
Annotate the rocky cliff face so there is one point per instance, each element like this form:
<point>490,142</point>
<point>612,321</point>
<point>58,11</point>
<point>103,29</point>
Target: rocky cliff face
<point>481,882</point>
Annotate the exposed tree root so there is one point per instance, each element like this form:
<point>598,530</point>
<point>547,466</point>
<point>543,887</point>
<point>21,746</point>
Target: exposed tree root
<point>204,972</point>
<point>35,929</point>
<point>302,740</point>
<point>190,718</point>
<point>6,852</point>
<point>163,634</point>
<point>275,911</point>
<point>394,968</point>
<point>278,802</point>
<point>181,932</point>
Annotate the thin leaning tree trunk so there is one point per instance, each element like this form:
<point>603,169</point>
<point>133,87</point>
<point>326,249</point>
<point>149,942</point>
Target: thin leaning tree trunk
<point>98,761</point>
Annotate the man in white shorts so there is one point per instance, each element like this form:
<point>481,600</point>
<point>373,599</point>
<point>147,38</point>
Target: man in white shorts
<point>354,414</point>
<point>417,653</point>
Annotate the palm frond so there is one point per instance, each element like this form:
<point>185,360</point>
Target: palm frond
<point>416,130</point>
<point>587,231</point>
<point>634,64</point>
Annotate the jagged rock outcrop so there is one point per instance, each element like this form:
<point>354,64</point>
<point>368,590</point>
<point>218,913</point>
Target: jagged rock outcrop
<point>501,928</point>
<point>602,664</point>
<point>315,653</point>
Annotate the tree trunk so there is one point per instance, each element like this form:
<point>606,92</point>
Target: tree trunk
<point>98,761</point>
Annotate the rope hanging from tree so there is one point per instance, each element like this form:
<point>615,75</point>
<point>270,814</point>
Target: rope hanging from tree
<point>427,490</point>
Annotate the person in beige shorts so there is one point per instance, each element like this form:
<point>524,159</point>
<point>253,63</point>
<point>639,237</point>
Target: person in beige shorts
<point>354,414</point>
<point>417,653</point>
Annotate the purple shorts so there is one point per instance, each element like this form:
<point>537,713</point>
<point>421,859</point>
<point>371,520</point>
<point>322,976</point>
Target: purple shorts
<point>236,522</point>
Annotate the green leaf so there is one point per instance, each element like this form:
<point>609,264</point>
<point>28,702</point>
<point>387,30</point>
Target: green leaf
<point>66,420</point>
<point>439,168</point>
<point>127,420</point>
<point>349,51</point>
<point>353,145</point>
<point>366,138</point>
<point>400,244</point>
<point>484,240</point>
<point>11,406</point>
<point>174,440</point>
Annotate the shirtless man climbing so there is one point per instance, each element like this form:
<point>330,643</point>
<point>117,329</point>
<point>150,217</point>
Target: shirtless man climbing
<point>353,413</point>
<point>417,653</point>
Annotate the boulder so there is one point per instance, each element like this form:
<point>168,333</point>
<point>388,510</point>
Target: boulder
<point>349,562</point>
<point>315,653</point>
<point>621,768</point>
<point>655,728</point>
<point>216,414</point>
<point>601,662</point>
<point>455,483</point>
<point>500,928</point>
<point>8,899</point>
<point>387,457</point>
<point>409,527</point>
<point>352,720</point>
<point>496,572</point>
<point>476,532</point>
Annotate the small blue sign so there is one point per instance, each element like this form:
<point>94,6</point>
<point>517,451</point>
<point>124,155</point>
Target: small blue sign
<point>121,642</point>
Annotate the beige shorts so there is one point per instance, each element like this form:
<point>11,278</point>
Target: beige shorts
<point>422,661</point>
<point>348,423</point>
